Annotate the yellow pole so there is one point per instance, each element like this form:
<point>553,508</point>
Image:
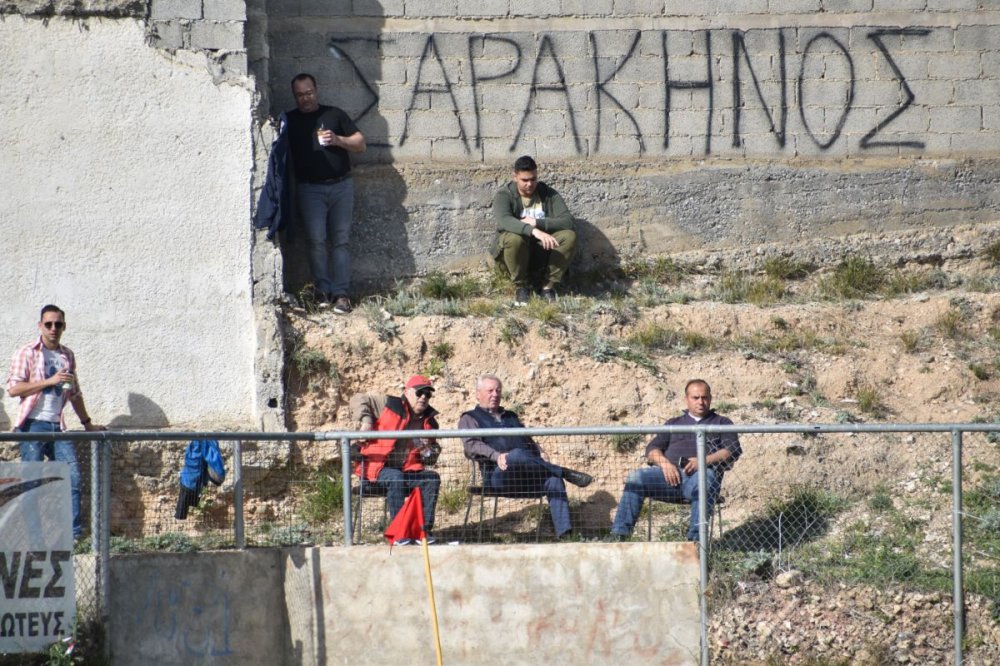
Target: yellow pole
<point>430,594</point>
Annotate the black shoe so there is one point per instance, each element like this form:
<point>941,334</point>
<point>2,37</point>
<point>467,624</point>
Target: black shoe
<point>549,294</point>
<point>342,305</point>
<point>521,297</point>
<point>614,537</point>
<point>577,478</point>
<point>322,300</point>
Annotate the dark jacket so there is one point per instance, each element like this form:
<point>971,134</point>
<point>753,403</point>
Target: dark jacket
<point>274,206</point>
<point>503,444</point>
<point>507,209</point>
<point>684,444</point>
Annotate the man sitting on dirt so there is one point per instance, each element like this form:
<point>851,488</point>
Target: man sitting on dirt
<point>534,231</point>
<point>672,475</point>
<point>516,464</point>
<point>396,466</point>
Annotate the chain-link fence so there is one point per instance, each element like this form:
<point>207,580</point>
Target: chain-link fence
<point>830,541</point>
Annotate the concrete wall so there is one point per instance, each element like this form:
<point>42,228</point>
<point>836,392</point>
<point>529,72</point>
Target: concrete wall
<point>126,201</point>
<point>667,124</point>
<point>551,604</point>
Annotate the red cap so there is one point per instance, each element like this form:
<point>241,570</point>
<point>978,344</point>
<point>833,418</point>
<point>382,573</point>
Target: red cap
<point>418,382</point>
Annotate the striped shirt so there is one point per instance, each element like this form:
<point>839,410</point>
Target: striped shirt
<point>29,366</point>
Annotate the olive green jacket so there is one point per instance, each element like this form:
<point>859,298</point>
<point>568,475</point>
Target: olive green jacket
<point>507,211</point>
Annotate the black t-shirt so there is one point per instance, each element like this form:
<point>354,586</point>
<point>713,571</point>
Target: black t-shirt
<point>315,163</point>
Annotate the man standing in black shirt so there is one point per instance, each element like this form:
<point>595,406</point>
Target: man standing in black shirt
<point>320,139</point>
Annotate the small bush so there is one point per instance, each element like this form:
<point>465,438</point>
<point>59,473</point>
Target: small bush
<point>856,277</point>
<point>870,402</point>
<point>979,371</point>
<point>991,253</point>
<point>950,324</point>
<point>625,443</point>
<point>912,341</point>
<point>310,361</point>
<point>660,269</point>
<point>880,500</point>
<point>512,331</point>
<point>443,350</point>
<point>323,499</point>
<point>786,268</point>
<point>453,499</point>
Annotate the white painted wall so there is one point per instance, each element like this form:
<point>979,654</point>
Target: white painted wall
<point>125,199</point>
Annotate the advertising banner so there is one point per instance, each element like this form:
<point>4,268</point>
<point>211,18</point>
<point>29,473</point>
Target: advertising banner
<point>37,587</point>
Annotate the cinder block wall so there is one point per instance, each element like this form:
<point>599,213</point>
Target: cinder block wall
<point>669,125</point>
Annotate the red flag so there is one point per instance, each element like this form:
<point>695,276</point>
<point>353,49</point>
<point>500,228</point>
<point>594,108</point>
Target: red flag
<point>409,522</point>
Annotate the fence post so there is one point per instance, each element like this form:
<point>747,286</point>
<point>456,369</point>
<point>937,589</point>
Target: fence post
<point>345,475</point>
<point>703,547</point>
<point>238,520</point>
<point>95,502</point>
<point>958,593</point>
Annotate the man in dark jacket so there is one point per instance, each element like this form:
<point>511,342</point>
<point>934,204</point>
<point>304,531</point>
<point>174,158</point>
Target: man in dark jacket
<point>534,230</point>
<point>672,475</point>
<point>515,463</point>
<point>397,465</point>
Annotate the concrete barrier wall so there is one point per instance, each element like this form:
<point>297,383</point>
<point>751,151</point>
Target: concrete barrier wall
<point>551,604</point>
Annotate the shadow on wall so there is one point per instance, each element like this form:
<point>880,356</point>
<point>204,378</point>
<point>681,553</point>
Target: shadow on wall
<point>380,250</point>
<point>143,413</point>
<point>596,256</point>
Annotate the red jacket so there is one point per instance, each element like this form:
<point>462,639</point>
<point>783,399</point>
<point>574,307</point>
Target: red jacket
<point>395,416</point>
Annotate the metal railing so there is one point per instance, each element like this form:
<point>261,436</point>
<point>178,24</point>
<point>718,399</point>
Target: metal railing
<point>101,458</point>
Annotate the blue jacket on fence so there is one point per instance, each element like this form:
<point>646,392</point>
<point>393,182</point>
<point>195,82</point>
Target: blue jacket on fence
<point>274,207</point>
<point>202,463</point>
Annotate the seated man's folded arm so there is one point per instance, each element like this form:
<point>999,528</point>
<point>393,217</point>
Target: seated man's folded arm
<point>505,215</point>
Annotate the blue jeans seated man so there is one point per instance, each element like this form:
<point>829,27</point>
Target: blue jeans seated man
<point>650,482</point>
<point>672,474</point>
<point>530,475</point>
<point>396,485</point>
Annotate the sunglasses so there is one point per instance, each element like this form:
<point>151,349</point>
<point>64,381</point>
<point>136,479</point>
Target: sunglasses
<point>58,325</point>
<point>425,393</point>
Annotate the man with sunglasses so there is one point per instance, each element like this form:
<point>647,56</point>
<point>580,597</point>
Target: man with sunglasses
<point>396,466</point>
<point>43,376</point>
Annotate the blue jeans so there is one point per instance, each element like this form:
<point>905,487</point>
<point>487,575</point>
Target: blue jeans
<point>529,473</point>
<point>60,451</point>
<point>397,484</point>
<point>650,482</point>
<point>327,211</point>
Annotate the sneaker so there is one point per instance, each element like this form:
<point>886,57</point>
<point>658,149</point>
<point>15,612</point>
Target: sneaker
<point>403,542</point>
<point>342,305</point>
<point>549,294</point>
<point>521,297</point>
<point>430,540</point>
<point>577,478</point>
<point>322,300</point>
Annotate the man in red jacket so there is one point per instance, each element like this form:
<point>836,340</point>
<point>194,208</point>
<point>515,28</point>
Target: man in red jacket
<point>396,466</point>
